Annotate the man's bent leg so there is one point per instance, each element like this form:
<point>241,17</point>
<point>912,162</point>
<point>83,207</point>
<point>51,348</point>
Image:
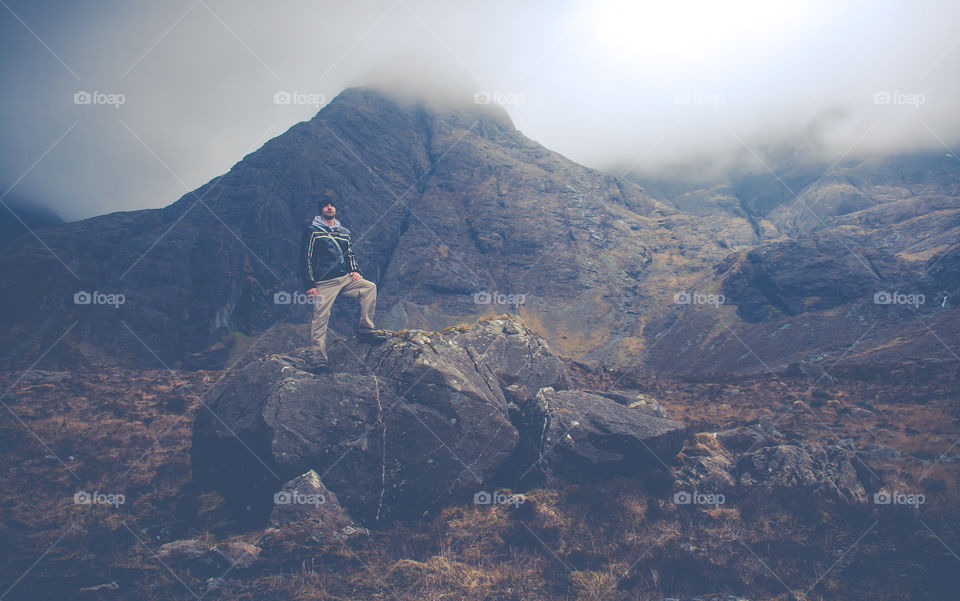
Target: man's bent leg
<point>326,293</point>
<point>365,292</point>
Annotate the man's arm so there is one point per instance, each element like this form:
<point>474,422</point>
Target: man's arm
<point>352,265</point>
<point>306,270</point>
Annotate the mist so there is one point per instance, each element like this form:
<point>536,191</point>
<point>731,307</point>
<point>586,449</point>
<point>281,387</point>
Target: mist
<point>178,92</point>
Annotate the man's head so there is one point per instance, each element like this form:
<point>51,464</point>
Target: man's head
<point>328,210</point>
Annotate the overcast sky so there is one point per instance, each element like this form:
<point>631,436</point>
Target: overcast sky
<point>180,90</point>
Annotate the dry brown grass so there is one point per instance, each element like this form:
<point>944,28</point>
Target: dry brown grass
<point>129,432</point>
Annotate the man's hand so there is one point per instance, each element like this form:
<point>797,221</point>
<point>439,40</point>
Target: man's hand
<point>353,276</point>
<point>312,292</point>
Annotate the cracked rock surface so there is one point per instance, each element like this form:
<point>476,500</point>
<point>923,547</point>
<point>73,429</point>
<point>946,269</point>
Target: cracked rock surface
<point>399,429</point>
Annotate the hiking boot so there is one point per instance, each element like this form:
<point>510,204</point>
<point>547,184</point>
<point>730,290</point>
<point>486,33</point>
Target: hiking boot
<point>313,362</point>
<point>314,358</point>
<point>371,337</point>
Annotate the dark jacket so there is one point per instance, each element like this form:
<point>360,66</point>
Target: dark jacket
<point>325,253</point>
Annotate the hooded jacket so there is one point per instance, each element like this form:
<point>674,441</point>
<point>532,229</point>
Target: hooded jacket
<point>325,252</point>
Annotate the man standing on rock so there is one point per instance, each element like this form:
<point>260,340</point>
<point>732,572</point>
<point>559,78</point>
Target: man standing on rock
<point>329,268</point>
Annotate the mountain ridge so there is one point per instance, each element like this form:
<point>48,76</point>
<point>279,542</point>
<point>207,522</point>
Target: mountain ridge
<point>453,209</point>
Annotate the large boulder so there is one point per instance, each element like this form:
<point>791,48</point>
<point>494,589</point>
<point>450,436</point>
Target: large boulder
<point>578,434</point>
<point>399,429</point>
<point>393,430</point>
<point>514,354</point>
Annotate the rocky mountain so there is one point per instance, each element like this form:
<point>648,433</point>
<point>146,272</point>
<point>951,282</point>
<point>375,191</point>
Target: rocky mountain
<point>475,455</point>
<point>855,261</point>
<point>456,214</point>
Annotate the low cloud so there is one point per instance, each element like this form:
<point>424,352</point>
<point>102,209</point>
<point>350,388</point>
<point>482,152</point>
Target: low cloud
<point>615,85</point>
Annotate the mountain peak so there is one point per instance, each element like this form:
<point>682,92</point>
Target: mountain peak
<point>456,215</point>
<point>449,105</point>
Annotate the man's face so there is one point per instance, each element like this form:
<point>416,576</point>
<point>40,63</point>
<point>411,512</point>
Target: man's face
<point>328,211</point>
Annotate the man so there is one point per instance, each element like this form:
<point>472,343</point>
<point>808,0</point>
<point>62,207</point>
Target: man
<point>329,268</point>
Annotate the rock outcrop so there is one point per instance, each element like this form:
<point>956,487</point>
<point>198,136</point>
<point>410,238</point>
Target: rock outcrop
<point>805,472</point>
<point>398,429</point>
<point>755,465</point>
<point>305,511</point>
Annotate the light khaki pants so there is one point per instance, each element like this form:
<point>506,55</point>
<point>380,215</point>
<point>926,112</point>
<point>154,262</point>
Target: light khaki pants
<point>363,290</point>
